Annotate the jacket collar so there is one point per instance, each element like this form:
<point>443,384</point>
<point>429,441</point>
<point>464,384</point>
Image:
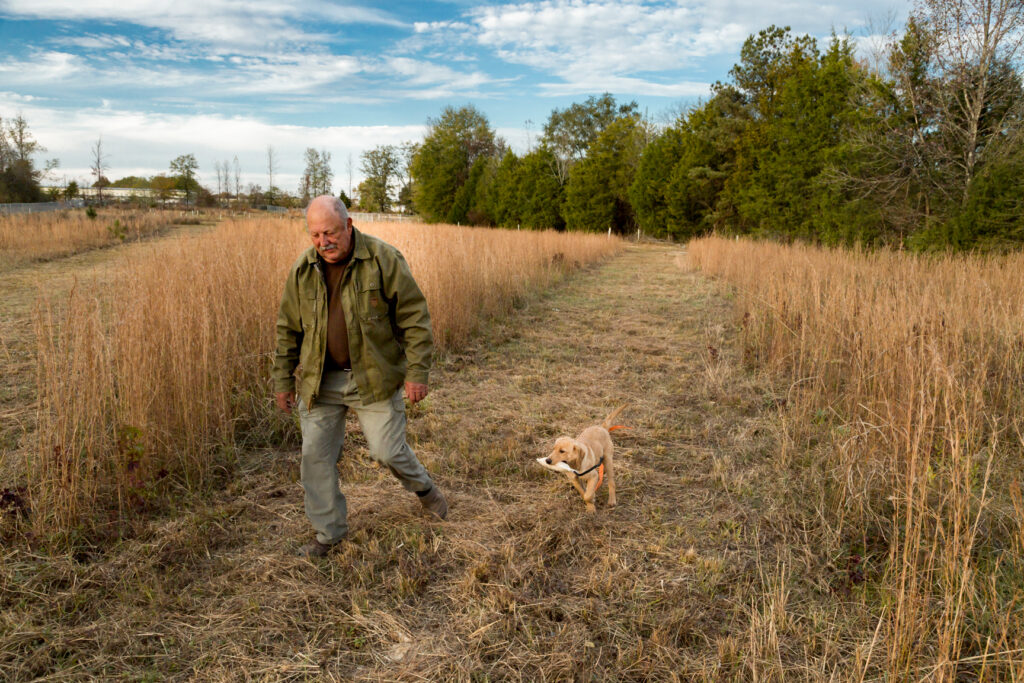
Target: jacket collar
<point>360,251</point>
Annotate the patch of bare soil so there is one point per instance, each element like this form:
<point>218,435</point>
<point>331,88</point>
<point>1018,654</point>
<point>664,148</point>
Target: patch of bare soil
<point>520,583</point>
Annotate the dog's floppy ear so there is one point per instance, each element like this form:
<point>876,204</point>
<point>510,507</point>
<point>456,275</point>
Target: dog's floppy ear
<point>580,451</point>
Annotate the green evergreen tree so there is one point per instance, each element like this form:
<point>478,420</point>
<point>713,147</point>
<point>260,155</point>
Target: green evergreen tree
<point>711,135</point>
<point>442,164</point>
<point>597,193</point>
<point>539,195</point>
<point>992,218</point>
<point>465,208</point>
<point>649,192</point>
<point>502,195</point>
<point>797,100</point>
<point>481,204</point>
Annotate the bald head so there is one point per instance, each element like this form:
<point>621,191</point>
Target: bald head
<point>330,228</point>
<point>326,205</point>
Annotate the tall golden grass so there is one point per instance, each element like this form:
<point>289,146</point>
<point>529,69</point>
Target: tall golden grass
<point>149,386</point>
<point>905,415</point>
<point>41,236</point>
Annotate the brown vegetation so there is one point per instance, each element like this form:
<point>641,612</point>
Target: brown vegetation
<point>149,386</point>
<point>40,236</point>
<point>902,433</point>
<point>679,582</point>
<point>851,513</point>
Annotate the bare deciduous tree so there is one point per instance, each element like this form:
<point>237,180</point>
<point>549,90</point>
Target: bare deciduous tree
<point>271,167</point>
<point>238,177</point>
<point>220,177</point>
<point>977,48</point>
<point>6,150</point>
<point>947,104</point>
<point>348,167</point>
<point>17,145</point>
<point>99,165</point>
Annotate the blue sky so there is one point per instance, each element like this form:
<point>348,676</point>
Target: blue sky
<point>220,78</point>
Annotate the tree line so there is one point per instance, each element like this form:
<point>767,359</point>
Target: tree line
<point>22,181</point>
<point>918,145</point>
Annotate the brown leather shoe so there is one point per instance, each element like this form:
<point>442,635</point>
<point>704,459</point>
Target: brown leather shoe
<point>315,549</point>
<point>435,503</point>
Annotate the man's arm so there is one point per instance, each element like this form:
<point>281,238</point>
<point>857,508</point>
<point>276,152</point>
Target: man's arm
<point>289,341</point>
<point>413,319</point>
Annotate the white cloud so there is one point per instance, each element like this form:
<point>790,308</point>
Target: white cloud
<point>434,26</point>
<point>589,83</point>
<point>115,45</point>
<point>217,22</point>
<point>594,45</point>
<point>45,67</point>
<point>297,75</point>
<point>13,97</point>
<point>415,73</point>
<point>94,42</point>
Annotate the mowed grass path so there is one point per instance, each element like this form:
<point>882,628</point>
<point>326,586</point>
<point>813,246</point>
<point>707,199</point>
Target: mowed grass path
<point>520,583</point>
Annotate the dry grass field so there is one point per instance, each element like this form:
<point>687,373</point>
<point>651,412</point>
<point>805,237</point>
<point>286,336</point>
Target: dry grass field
<point>818,482</point>
<point>903,438</point>
<point>25,238</point>
<point>151,383</point>
<point>520,583</point>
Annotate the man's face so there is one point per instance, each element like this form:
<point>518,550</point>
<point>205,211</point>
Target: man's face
<point>329,235</point>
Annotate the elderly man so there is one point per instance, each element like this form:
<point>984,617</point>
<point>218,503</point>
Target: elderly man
<point>355,323</point>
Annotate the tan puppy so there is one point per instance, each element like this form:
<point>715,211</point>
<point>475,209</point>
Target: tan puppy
<point>586,454</point>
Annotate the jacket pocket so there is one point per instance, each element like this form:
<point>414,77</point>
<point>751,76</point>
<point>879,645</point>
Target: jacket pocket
<point>309,306</point>
<point>370,302</point>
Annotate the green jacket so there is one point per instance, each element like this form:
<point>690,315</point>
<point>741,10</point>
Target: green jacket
<point>389,337</point>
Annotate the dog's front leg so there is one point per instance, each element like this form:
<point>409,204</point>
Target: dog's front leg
<point>574,480</point>
<point>588,497</point>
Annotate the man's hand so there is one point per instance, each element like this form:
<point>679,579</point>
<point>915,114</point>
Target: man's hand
<point>285,401</point>
<point>415,392</point>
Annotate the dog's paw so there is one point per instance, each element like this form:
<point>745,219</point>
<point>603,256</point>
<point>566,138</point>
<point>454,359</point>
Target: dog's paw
<point>591,509</point>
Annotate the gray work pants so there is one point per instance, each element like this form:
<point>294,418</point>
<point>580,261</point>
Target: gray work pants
<point>323,434</point>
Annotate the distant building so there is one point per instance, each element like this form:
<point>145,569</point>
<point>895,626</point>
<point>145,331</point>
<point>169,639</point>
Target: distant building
<point>120,193</point>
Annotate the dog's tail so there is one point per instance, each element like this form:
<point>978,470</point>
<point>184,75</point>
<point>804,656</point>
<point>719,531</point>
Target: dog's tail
<point>614,414</point>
